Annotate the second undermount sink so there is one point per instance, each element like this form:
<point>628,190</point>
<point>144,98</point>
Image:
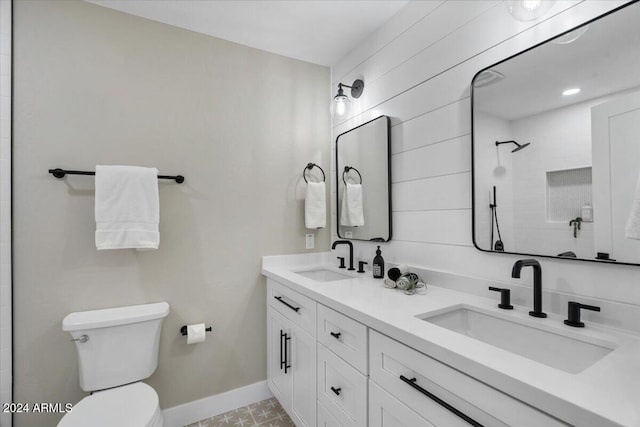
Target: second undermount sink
<point>322,275</point>
<point>552,348</point>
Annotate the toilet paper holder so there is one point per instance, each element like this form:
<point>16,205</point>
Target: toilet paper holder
<point>183,330</point>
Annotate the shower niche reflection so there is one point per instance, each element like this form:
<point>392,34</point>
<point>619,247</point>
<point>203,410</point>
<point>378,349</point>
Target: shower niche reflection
<point>556,158</point>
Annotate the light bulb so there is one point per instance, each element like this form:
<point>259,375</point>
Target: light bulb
<point>571,91</point>
<point>340,106</point>
<point>528,10</point>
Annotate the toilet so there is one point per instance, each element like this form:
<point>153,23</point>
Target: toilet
<point>117,349</point>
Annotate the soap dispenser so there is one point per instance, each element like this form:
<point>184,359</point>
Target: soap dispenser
<point>378,265</point>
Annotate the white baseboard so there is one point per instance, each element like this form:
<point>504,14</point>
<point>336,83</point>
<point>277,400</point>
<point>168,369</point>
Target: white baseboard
<point>187,413</point>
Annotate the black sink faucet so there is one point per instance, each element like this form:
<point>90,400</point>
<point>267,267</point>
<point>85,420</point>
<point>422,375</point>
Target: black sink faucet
<point>345,242</point>
<point>537,283</point>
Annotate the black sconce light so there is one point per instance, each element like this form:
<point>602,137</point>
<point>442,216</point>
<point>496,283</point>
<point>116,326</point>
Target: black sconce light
<point>341,105</point>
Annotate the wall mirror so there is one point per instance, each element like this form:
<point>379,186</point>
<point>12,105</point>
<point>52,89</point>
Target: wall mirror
<point>556,145</point>
<point>363,177</point>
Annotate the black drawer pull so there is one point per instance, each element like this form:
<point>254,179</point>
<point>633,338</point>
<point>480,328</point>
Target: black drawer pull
<point>282,361</point>
<point>286,353</point>
<point>296,309</point>
<point>412,383</point>
<point>336,390</point>
<point>336,335</point>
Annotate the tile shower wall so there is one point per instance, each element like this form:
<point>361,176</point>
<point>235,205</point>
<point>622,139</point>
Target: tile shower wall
<point>417,69</point>
<point>5,207</point>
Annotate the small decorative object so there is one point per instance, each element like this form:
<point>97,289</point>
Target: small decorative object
<point>402,283</point>
<point>421,288</point>
<point>378,265</point>
<point>394,273</point>
<point>388,283</point>
<point>575,223</point>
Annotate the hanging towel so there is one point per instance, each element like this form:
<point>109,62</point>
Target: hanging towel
<point>351,211</point>
<point>315,205</point>
<point>632,230</point>
<point>127,207</point>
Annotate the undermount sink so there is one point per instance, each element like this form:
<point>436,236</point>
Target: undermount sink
<point>551,348</point>
<point>322,275</point>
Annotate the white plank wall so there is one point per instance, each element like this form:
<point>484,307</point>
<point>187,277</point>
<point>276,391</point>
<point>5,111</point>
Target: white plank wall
<point>417,70</point>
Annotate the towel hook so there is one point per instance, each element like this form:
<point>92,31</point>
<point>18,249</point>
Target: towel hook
<point>346,170</point>
<point>309,167</point>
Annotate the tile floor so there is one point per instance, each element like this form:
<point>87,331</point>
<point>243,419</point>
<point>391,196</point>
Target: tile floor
<point>267,413</point>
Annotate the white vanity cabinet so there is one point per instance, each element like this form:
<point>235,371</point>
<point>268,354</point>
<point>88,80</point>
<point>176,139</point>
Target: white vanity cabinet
<point>329,370</point>
<point>291,353</point>
<point>443,395</point>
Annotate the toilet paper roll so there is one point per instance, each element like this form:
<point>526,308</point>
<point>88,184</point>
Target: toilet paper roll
<point>196,333</point>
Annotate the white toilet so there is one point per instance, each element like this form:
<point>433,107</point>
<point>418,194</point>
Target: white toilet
<point>117,348</point>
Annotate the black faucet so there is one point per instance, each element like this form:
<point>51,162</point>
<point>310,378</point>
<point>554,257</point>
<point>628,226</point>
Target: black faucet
<point>345,242</point>
<point>537,283</point>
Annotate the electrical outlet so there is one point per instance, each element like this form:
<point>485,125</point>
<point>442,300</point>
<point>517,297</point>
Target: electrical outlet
<point>348,234</point>
<point>311,241</point>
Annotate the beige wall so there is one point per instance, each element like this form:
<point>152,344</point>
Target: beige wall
<point>97,86</point>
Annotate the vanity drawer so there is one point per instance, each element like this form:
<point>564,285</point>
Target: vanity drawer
<point>325,419</point>
<point>387,411</point>
<point>341,389</point>
<point>423,375</point>
<point>296,307</point>
<point>344,336</point>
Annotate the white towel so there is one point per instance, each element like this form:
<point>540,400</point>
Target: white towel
<point>315,205</point>
<point>127,207</point>
<point>351,211</point>
<point>632,230</point>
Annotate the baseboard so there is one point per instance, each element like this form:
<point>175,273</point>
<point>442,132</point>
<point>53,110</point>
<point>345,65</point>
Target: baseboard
<point>187,413</point>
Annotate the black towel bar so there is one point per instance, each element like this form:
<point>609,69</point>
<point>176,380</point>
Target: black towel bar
<point>309,167</point>
<point>60,173</point>
<point>350,168</point>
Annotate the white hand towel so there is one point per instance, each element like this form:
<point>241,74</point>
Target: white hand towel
<point>632,230</point>
<point>351,211</point>
<point>127,208</point>
<point>315,205</point>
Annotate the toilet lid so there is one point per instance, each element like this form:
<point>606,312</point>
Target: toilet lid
<point>133,405</point>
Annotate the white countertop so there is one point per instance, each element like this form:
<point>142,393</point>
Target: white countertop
<point>605,394</point>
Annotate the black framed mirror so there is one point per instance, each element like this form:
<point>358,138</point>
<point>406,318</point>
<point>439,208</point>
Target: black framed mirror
<point>556,145</point>
<point>363,181</point>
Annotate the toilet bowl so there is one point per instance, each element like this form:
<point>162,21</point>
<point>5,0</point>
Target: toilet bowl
<point>117,348</point>
<point>133,405</point>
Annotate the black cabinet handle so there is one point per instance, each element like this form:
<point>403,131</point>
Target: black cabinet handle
<point>286,353</point>
<point>336,335</point>
<point>412,383</point>
<point>296,309</point>
<point>336,390</point>
<point>282,361</point>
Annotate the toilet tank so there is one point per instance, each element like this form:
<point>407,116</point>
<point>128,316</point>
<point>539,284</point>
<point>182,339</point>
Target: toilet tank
<point>121,346</point>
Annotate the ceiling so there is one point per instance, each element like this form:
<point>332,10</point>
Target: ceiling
<point>317,31</point>
<point>603,61</point>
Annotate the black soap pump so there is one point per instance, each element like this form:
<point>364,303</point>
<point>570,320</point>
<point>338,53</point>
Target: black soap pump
<point>378,265</point>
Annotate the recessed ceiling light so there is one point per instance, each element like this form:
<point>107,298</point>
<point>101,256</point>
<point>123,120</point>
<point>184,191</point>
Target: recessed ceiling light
<point>571,91</point>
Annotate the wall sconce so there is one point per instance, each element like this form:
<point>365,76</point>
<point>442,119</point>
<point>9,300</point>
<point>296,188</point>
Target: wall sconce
<point>341,105</point>
<point>528,10</point>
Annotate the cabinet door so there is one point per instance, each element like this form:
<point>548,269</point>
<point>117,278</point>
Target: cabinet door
<point>302,359</point>
<point>341,389</point>
<point>387,411</point>
<point>279,381</point>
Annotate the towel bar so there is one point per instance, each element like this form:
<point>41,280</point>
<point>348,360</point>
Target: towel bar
<point>309,167</point>
<point>347,169</point>
<point>60,173</point>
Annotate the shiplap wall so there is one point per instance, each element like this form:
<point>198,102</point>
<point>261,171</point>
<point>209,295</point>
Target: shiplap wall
<point>417,70</point>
